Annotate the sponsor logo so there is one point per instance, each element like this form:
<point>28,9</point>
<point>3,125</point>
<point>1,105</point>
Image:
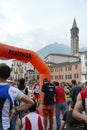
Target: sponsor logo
<point>17,53</point>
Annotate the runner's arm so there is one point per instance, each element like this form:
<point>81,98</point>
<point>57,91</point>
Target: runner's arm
<point>77,112</point>
<point>28,102</point>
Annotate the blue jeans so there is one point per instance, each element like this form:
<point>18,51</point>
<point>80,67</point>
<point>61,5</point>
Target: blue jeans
<point>13,121</point>
<point>60,107</point>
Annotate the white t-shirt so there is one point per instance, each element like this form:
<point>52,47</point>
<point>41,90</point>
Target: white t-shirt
<point>14,94</point>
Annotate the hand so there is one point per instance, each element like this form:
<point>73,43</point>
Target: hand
<point>85,118</point>
<point>12,113</point>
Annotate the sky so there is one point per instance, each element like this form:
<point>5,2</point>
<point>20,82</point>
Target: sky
<point>33,24</point>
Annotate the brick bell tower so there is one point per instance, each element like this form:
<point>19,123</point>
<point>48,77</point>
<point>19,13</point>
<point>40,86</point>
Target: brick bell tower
<point>74,38</point>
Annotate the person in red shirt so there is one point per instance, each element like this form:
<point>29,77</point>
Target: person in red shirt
<point>60,102</point>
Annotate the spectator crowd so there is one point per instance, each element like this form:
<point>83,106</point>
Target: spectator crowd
<point>20,103</point>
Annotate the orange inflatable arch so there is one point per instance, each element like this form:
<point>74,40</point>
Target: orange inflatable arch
<point>10,52</point>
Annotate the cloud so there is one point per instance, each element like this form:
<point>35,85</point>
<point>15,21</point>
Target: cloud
<point>2,17</point>
<point>34,24</point>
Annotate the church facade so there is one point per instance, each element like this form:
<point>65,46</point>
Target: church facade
<point>77,61</point>
<point>75,51</point>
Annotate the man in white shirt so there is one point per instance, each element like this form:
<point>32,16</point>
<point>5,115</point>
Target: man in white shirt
<point>7,96</point>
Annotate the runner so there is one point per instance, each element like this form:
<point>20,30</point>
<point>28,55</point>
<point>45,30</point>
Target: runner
<point>31,121</point>
<point>7,96</point>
